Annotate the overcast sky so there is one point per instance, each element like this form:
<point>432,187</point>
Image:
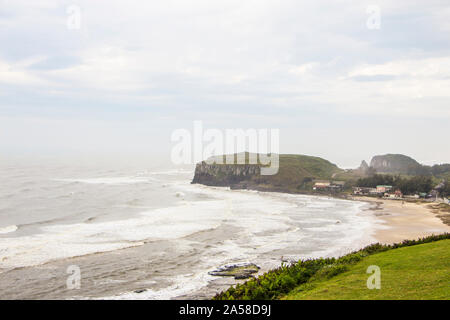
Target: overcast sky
<point>321,71</point>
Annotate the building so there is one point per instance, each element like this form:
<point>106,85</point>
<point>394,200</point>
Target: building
<point>339,184</point>
<point>440,186</point>
<point>396,195</point>
<point>383,189</point>
<point>333,186</point>
<point>433,194</point>
<point>361,190</point>
<point>321,185</point>
<point>378,191</point>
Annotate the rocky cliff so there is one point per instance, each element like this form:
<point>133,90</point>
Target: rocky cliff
<point>296,174</point>
<point>363,168</point>
<point>223,174</point>
<point>395,163</point>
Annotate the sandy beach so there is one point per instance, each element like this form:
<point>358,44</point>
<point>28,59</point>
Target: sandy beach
<point>404,220</point>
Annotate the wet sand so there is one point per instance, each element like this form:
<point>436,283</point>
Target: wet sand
<point>404,220</point>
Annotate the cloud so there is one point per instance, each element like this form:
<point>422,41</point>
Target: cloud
<point>18,74</point>
<point>218,59</point>
<point>431,67</point>
<point>304,68</point>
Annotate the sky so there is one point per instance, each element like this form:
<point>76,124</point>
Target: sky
<point>343,80</point>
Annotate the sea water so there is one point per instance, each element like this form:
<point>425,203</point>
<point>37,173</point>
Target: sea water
<point>147,232</point>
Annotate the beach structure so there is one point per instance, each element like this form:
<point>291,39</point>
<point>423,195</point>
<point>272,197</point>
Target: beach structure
<point>321,185</point>
<point>325,185</point>
<point>362,191</point>
<point>383,188</point>
<point>394,195</point>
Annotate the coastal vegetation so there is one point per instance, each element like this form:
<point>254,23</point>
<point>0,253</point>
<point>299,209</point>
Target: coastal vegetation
<point>425,262</point>
<point>415,184</point>
<point>417,272</point>
<point>446,189</point>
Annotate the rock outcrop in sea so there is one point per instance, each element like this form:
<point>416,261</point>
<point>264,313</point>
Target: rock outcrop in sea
<point>238,270</point>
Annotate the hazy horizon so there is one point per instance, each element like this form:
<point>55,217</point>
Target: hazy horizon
<point>101,79</point>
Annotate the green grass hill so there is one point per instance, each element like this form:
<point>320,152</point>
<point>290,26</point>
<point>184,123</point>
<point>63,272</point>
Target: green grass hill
<point>417,272</point>
<point>296,172</point>
<point>413,269</point>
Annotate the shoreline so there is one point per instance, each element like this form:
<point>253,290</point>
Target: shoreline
<point>395,224</point>
<point>400,219</point>
<point>396,221</point>
<point>403,220</point>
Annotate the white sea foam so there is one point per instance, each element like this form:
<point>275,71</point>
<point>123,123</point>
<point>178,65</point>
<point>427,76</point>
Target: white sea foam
<point>183,284</point>
<point>262,223</point>
<point>355,229</point>
<point>8,229</point>
<point>64,241</point>
<point>174,172</point>
<point>111,180</point>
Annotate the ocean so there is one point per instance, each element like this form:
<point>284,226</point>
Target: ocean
<point>146,232</point>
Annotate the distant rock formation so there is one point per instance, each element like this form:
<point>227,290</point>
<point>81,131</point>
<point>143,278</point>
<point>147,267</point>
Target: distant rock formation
<point>364,167</point>
<point>363,170</point>
<point>395,163</point>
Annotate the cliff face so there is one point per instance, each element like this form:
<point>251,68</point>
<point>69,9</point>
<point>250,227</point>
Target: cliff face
<point>363,168</point>
<point>296,174</point>
<point>223,174</point>
<point>394,163</point>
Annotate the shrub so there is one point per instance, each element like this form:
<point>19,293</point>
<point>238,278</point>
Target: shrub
<point>279,281</point>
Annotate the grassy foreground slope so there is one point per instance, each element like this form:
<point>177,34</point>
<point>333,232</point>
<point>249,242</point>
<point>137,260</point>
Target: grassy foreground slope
<point>416,272</point>
<point>412,269</point>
